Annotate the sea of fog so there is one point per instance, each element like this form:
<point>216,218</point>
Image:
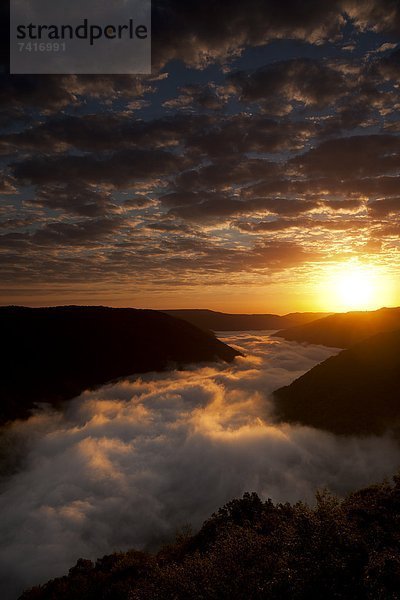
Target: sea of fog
<point>130,464</point>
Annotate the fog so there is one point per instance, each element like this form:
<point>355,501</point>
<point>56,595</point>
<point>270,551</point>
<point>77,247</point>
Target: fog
<point>131,463</point>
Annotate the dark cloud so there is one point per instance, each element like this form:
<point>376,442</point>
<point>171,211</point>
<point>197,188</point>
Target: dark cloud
<point>185,180</point>
<point>202,257</point>
<point>334,192</point>
<point>203,206</point>
<point>389,66</point>
<point>169,225</point>
<point>388,206</point>
<point>303,224</point>
<point>284,206</point>
<point>92,249</point>
<point>356,112</point>
<point>277,87</point>
<point>200,135</point>
<point>103,131</point>
<point>374,187</point>
<point>77,233</point>
<point>51,93</point>
<point>197,169</point>
<point>352,157</point>
<point>7,186</point>
<point>208,96</point>
<point>245,134</point>
<point>75,199</point>
<point>225,172</point>
<point>63,234</point>
<point>202,33</point>
<point>120,169</point>
<point>375,15</point>
<point>341,205</point>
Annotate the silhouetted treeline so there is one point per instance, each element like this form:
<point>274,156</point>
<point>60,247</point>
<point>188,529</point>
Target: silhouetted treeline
<point>344,329</point>
<point>356,392</point>
<point>256,550</point>
<point>53,354</point>
<point>217,321</point>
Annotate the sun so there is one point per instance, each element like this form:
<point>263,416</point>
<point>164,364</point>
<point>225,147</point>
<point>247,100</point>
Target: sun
<point>356,288</point>
<point>353,286</point>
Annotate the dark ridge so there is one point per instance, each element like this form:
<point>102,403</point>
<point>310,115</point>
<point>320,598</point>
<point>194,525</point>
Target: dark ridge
<point>53,354</point>
<point>340,549</point>
<point>217,321</point>
<point>356,392</point>
<point>344,329</point>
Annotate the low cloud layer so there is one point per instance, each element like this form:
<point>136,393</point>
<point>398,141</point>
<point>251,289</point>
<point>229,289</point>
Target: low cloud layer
<point>129,464</point>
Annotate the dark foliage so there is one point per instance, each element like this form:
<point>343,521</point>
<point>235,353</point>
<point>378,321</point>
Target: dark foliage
<point>257,550</point>
<point>355,392</point>
<point>344,329</point>
<point>53,354</point>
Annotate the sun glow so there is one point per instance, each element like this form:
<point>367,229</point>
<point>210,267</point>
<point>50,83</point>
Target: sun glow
<point>352,286</point>
<point>355,288</point>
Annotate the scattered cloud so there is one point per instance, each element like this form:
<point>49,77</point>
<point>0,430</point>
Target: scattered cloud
<point>257,128</point>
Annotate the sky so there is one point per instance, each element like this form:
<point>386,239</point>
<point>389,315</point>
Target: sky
<point>130,464</point>
<point>255,170</point>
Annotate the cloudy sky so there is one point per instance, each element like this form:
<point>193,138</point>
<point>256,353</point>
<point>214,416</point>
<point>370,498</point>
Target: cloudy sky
<point>260,156</point>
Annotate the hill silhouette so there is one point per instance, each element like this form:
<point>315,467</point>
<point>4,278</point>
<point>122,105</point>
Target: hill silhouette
<point>53,354</point>
<point>251,549</point>
<point>217,321</point>
<point>355,392</point>
<point>342,330</point>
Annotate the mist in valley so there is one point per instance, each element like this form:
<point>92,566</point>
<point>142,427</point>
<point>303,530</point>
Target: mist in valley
<point>131,463</point>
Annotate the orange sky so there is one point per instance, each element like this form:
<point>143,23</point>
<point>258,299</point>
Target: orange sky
<point>253,171</point>
<point>339,287</point>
